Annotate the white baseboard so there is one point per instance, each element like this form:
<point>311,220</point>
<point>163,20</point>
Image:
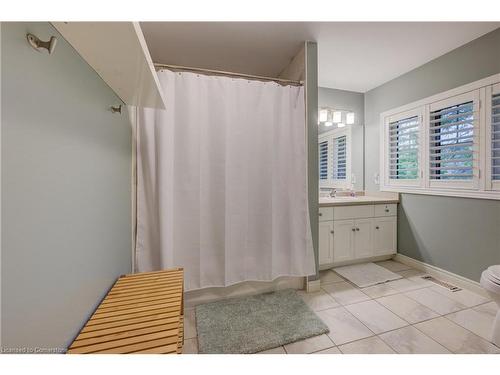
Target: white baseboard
<point>313,286</point>
<point>196,297</point>
<point>439,273</point>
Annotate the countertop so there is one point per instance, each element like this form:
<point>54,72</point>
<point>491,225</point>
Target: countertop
<point>358,200</point>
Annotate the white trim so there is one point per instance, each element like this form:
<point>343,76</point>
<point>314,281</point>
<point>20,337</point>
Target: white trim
<point>313,285</point>
<point>440,274</point>
<point>132,112</point>
<point>0,185</point>
<point>480,186</point>
<point>490,184</point>
<point>493,195</point>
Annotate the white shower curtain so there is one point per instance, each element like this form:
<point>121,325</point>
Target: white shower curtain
<point>222,186</point>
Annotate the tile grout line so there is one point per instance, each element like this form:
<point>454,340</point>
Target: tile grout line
<point>333,346</point>
<point>409,324</point>
<point>444,346</point>
<point>475,334</point>
<point>374,334</point>
<point>452,312</point>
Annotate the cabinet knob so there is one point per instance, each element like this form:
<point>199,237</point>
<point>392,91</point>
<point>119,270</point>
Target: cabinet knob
<point>386,210</point>
<point>320,214</point>
<point>357,229</point>
<point>353,229</point>
<point>376,227</point>
<point>331,231</point>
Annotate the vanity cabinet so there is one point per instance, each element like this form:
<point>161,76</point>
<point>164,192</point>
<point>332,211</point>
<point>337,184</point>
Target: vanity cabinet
<point>326,231</point>
<point>350,233</point>
<point>384,235</point>
<point>342,241</point>
<point>363,238</point>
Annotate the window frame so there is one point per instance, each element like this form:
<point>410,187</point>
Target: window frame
<point>493,185</point>
<point>473,184</point>
<point>415,112</point>
<point>330,136</point>
<point>481,186</point>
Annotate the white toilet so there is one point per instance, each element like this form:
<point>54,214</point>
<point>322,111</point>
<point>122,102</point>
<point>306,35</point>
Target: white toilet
<point>490,281</point>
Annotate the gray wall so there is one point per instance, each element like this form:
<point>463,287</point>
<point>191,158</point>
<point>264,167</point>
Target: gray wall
<point>353,101</point>
<point>312,147</point>
<point>457,234</point>
<point>66,172</point>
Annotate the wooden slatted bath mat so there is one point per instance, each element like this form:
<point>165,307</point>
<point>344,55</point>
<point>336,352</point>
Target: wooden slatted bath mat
<point>142,313</point>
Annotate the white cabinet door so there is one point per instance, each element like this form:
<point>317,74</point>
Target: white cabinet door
<point>325,242</point>
<point>363,238</point>
<point>385,234</point>
<point>343,240</point>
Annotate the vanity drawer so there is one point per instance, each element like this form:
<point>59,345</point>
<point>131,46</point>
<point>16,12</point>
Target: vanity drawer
<point>386,209</point>
<point>325,213</point>
<point>353,212</point>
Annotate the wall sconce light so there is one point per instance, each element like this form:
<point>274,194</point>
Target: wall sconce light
<point>323,115</point>
<point>329,116</point>
<point>337,116</point>
<point>37,44</point>
<point>349,118</point>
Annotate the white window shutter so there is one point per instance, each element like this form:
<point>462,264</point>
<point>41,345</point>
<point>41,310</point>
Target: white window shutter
<point>453,140</point>
<point>340,158</point>
<point>403,148</point>
<point>495,137</point>
<point>323,160</point>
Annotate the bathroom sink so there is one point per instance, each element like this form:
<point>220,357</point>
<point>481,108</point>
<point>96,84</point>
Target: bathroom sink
<point>347,199</point>
<point>337,199</point>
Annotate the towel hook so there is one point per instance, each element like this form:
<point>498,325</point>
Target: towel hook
<point>36,43</point>
<point>117,109</point>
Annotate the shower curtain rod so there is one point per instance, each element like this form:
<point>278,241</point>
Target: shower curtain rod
<point>231,74</point>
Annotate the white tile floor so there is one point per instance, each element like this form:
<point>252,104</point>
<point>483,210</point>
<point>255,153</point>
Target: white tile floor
<point>410,315</point>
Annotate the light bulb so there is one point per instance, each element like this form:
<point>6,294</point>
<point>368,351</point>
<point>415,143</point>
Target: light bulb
<point>337,116</point>
<point>323,115</point>
<point>349,118</point>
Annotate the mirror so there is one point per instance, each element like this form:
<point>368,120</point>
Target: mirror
<point>340,139</point>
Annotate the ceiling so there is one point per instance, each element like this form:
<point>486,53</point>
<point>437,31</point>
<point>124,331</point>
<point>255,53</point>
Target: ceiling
<point>355,56</point>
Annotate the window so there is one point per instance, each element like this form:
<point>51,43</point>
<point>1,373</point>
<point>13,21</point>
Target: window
<point>453,142</point>
<point>340,158</point>
<point>495,137</point>
<point>323,160</point>
<point>403,149</point>
<point>441,145</point>
<point>334,158</point>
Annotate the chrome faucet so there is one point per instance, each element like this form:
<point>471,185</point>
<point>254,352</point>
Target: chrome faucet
<point>333,193</point>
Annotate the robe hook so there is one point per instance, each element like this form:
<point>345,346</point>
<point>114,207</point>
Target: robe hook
<point>37,44</point>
